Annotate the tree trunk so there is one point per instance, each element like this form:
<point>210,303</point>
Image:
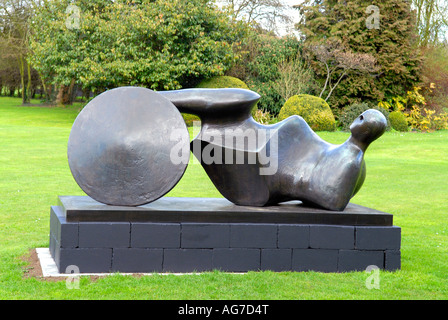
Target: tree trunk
<point>71,93</point>
<point>46,89</point>
<point>326,80</point>
<point>28,85</point>
<point>22,78</point>
<point>63,96</point>
<point>60,95</point>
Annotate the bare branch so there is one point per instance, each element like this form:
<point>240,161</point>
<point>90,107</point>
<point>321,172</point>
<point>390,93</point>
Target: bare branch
<point>335,56</point>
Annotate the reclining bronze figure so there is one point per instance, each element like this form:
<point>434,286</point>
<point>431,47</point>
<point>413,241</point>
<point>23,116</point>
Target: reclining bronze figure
<point>249,163</point>
<point>289,160</point>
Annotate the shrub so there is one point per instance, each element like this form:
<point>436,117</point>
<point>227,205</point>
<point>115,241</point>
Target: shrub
<point>314,110</point>
<point>270,100</point>
<point>350,113</point>
<point>398,121</point>
<point>222,82</point>
<point>161,45</point>
<point>190,118</point>
<point>261,55</point>
<point>427,120</point>
<point>263,117</point>
<point>215,82</point>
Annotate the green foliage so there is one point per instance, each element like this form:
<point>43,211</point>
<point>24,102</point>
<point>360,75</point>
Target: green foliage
<point>157,44</point>
<point>258,67</point>
<point>423,119</point>
<point>34,151</point>
<point>222,82</point>
<point>215,82</point>
<point>350,113</point>
<point>435,77</point>
<point>270,100</point>
<point>398,121</point>
<point>263,117</point>
<point>314,110</point>
<point>393,45</point>
<point>190,119</point>
<point>418,115</point>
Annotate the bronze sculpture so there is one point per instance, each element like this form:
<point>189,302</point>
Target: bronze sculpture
<point>289,161</point>
<point>249,163</point>
<point>119,147</point>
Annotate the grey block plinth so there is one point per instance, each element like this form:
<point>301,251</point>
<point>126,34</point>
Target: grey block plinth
<point>155,235</point>
<point>378,238</point>
<point>236,259</point>
<point>253,235</point>
<point>205,235</point>
<point>137,260</point>
<point>104,235</point>
<point>64,232</point>
<point>276,259</point>
<point>225,240</point>
<point>187,260</point>
<point>85,260</point>
<point>392,260</point>
<point>323,260</point>
<point>359,260</point>
<point>293,236</point>
<point>332,237</point>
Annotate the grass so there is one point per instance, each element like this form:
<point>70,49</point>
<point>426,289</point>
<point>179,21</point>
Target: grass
<point>407,176</point>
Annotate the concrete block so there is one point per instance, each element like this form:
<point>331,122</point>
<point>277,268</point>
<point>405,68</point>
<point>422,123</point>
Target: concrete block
<point>65,233</point>
<point>378,238</point>
<point>293,236</point>
<point>392,260</point>
<point>155,235</point>
<point>187,260</point>
<point>236,259</point>
<point>322,260</point>
<point>52,246</point>
<point>86,260</point>
<point>137,260</point>
<point>253,235</point>
<point>332,237</point>
<point>359,260</point>
<point>276,259</point>
<point>104,234</point>
<point>201,235</point>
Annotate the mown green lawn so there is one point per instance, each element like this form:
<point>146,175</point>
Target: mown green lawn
<point>407,175</point>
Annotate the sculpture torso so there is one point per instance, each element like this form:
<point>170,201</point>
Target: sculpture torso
<point>297,163</point>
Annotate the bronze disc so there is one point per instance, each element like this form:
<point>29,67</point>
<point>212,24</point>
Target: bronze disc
<point>129,146</point>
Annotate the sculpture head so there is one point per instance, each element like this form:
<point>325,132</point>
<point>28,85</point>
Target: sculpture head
<point>368,127</point>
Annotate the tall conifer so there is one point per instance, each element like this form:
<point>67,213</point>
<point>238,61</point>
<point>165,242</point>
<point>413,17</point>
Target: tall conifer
<point>391,39</point>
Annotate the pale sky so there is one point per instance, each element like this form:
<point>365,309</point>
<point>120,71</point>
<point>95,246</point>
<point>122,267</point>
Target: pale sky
<point>294,13</point>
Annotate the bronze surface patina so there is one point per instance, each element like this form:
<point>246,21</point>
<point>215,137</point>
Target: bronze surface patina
<point>277,163</point>
<point>129,147</point>
<point>120,143</point>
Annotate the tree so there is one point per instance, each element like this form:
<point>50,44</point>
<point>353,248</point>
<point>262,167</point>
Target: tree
<point>394,45</point>
<point>295,77</point>
<point>267,14</point>
<point>431,20</point>
<point>261,64</point>
<point>14,35</point>
<point>435,78</point>
<point>335,57</point>
<point>158,44</point>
